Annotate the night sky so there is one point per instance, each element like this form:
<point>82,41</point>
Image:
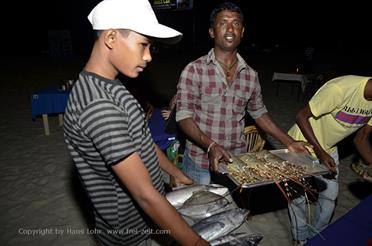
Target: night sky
<point>343,27</point>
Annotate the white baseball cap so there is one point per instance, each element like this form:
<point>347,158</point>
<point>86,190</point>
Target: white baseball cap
<point>135,15</point>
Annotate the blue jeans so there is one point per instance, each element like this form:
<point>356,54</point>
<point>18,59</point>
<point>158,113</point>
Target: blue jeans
<point>194,171</point>
<point>301,226</point>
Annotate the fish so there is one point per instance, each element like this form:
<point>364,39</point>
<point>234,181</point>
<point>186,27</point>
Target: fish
<point>210,230</point>
<point>197,210</point>
<point>231,219</point>
<point>179,196</point>
<point>241,239</point>
<point>202,197</point>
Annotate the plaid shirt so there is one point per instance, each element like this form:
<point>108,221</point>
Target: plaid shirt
<point>216,107</point>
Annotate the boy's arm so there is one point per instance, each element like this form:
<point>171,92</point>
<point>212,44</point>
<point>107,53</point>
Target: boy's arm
<point>268,125</point>
<point>302,120</point>
<point>134,175</point>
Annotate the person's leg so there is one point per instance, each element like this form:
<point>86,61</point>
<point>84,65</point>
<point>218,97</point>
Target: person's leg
<point>196,173</point>
<point>326,201</point>
<point>205,176</point>
<point>297,210</point>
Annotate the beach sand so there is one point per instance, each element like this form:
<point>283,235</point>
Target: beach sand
<point>42,201</point>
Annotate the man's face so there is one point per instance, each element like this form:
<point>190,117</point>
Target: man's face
<point>131,53</point>
<point>227,31</point>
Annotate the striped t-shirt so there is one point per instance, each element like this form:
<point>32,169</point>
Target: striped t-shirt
<point>104,124</point>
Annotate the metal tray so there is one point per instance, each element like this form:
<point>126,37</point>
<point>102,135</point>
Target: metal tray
<point>311,166</point>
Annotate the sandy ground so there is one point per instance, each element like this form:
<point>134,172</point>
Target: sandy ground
<point>41,199</point>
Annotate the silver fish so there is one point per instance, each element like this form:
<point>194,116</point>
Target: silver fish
<point>179,196</point>
<point>231,219</point>
<point>201,210</point>
<point>241,239</point>
<point>211,230</point>
<point>202,197</point>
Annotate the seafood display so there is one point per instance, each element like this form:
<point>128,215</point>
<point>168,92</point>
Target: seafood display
<point>212,213</point>
<point>263,167</point>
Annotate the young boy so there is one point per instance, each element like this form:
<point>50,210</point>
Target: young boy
<point>108,137</point>
<point>339,108</point>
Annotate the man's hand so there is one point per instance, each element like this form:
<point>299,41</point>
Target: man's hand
<point>217,154</point>
<point>327,160</point>
<point>299,146</point>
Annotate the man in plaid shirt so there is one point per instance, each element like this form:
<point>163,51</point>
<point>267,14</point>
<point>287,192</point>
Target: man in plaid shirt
<point>213,94</point>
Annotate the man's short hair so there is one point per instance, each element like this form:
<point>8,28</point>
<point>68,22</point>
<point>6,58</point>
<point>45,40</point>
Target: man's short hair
<point>224,6</point>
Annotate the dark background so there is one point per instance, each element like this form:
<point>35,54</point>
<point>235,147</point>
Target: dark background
<point>333,27</point>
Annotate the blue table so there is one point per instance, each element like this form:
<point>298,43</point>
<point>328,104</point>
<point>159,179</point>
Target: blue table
<point>156,125</point>
<point>49,101</point>
<point>354,228</point>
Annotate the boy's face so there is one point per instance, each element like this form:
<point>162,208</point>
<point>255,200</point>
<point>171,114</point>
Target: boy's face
<point>130,53</point>
<point>227,31</point>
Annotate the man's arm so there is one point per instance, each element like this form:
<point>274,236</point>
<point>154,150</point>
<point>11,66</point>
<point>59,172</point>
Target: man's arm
<point>170,168</point>
<point>363,144</point>
<point>302,120</point>
<point>216,152</point>
<point>268,125</point>
<point>134,175</point>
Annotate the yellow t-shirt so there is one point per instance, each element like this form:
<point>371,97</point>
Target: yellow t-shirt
<point>339,109</point>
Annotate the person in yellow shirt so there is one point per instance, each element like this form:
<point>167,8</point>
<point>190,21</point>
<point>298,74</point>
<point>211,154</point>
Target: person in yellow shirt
<point>339,108</point>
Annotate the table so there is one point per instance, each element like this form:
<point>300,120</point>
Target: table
<point>353,228</point>
<point>49,101</point>
<point>156,125</point>
<point>300,79</point>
